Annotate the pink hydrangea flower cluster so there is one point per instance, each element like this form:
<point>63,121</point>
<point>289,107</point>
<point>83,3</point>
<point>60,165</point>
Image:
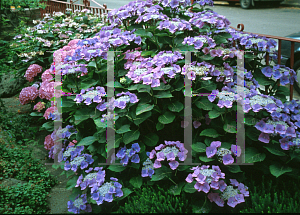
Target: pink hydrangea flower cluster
<point>49,142</point>
<point>51,109</point>
<point>32,71</point>
<point>28,94</point>
<point>47,75</point>
<point>170,150</point>
<point>47,89</point>
<point>39,106</point>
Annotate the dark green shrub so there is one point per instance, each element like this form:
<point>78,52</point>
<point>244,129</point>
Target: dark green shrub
<point>155,200</point>
<point>269,197</point>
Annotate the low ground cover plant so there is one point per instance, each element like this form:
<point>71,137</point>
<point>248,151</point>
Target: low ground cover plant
<point>147,108</point>
<point>16,162</point>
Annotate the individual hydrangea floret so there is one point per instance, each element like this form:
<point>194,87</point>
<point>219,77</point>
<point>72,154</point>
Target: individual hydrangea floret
<point>125,154</point>
<point>79,204</point>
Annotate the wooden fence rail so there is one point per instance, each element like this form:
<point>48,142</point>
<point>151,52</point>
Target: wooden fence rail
<point>60,6</point>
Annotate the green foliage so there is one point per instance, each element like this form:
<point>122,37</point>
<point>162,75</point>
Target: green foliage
<point>154,199</point>
<point>16,162</point>
<point>269,197</point>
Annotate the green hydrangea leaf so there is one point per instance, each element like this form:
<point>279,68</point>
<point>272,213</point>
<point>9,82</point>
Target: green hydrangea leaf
<point>159,126</point>
<point>137,182</point>
<point>230,127</point>
<point>252,155</point>
<point>204,104</point>
<point>151,139</point>
<point>123,129</point>
<point>117,168</point>
<point>275,150</point>
<point>189,187</point>
<point>214,114</point>
<point>205,159</point>
<point>163,94</point>
<point>131,136</point>
<point>166,118</point>
<point>209,133</point>
<point>199,147</point>
<point>176,189</point>
<point>278,169</point>
<point>234,168</point>
<point>175,106</point>
<point>87,141</point>
<point>142,107</point>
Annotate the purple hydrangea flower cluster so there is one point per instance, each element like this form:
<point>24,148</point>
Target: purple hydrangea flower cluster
<point>105,191</point>
<point>223,154</point>
<point>231,195</point>
<point>204,2</point>
<point>124,154</point>
<point>90,95</point>
<point>151,16</point>
<point>72,68</point>
<point>210,18</point>
<point>170,150</point>
<point>142,69</point>
<point>174,4</point>
<point>200,41</point>
<point>134,8</point>
<point>207,178</point>
<point>79,204</point>
<point>174,25</point>
<point>285,74</point>
<point>91,179</point>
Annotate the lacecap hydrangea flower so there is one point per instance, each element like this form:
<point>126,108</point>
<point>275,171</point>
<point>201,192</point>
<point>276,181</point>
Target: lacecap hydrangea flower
<point>170,150</point>
<point>125,154</point>
<point>79,204</point>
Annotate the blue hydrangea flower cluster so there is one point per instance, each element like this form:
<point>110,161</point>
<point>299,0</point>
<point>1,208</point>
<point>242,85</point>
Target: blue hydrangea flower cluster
<point>285,74</point>
<point>174,25</point>
<point>125,154</point>
<point>77,159</point>
<point>223,154</point>
<point>105,191</point>
<point>147,169</point>
<point>204,2</point>
<point>232,195</point>
<point>200,41</point>
<point>91,179</point>
<point>79,204</point>
<point>90,95</point>
<point>169,150</point>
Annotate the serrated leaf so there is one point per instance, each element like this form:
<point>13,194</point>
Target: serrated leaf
<point>136,182</point>
<point>117,168</point>
<point>142,107</point>
<point>199,147</point>
<point>205,159</point>
<point>275,150</point>
<point>234,168</point>
<point>175,106</point>
<point>159,126</point>
<point>214,114</point>
<point>123,129</point>
<point>131,136</point>
<point>209,133</point>
<point>278,170</point>
<point>189,187</point>
<point>252,155</point>
<point>163,94</point>
<point>151,139</point>
<point>87,141</point>
<point>176,189</point>
<point>166,118</point>
<point>204,104</point>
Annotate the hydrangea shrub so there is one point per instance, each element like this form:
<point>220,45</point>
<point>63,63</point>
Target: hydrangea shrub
<point>149,40</point>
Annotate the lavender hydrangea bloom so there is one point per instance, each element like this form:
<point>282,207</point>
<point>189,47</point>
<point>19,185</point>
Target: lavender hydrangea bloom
<point>80,204</point>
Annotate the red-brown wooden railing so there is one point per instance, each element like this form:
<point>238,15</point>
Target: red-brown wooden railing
<point>60,6</point>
